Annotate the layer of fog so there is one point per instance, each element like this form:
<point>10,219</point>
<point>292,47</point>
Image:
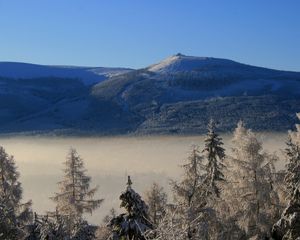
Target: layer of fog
<point>109,161</point>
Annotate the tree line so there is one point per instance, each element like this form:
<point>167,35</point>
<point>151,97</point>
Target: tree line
<point>219,196</point>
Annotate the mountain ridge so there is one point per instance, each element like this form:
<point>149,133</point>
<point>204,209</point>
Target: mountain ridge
<point>180,56</point>
<point>89,75</point>
<point>175,96</point>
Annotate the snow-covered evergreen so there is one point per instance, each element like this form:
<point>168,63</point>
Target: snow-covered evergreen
<point>288,226</point>
<point>214,154</point>
<point>292,152</point>
<point>14,214</point>
<point>55,227</point>
<point>135,223</point>
<point>190,195</point>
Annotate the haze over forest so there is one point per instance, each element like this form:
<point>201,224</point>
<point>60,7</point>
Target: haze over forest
<point>109,161</point>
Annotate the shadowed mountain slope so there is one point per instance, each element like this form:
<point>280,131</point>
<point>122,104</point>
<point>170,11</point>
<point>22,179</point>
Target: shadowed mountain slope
<point>176,96</point>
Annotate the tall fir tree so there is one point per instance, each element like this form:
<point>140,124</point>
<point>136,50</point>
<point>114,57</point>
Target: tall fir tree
<point>75,196</point>
<point>14,214</point>
<point>214,154</point>
<point>135,223</point>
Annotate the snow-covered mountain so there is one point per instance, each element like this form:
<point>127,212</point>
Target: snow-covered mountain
<point>89,75</point>
<point>180,94</point>
<point>182,63</point>
<point>177,95</point>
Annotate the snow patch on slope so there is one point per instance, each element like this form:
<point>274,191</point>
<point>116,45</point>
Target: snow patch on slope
<point>179,63</point>
<point>88,75</point>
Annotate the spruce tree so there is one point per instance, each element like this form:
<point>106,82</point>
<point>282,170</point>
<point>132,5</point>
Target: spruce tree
<point>135,223</point>
<point>75,196</point>
<point>14,214</point>
<point>215,154</point>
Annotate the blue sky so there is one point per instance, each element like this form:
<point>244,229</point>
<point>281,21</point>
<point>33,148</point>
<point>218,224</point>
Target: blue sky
<point>136,33</point>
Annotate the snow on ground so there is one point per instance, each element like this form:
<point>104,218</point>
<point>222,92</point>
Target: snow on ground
<point>175,63</point>
<point>180,62</point>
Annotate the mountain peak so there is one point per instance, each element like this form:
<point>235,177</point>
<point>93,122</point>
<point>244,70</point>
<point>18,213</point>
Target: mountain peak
<point>179,55</point>
<point>178,63</point>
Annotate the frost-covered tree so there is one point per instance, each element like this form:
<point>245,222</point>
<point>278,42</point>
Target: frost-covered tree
<point>84,231</point>
<point>135,223</point>
<point>250,194</point>
<point>214,154</point>
<point>55,227</point>
<point>190,195</point>
<point>292,152</point>
<point>8,224</point>
<point>194,214</point>
<point>33,229</point>
<point>206,226</point>
<point>156,199</point>
<point>288,227</point>
<point>50,228</point>
<point>75,196</point>
<point>103,232</point>
<point>171,226</point>
<point>14,214</point>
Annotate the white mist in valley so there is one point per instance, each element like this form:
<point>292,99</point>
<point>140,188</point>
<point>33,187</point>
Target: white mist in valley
<point>108,161</point>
